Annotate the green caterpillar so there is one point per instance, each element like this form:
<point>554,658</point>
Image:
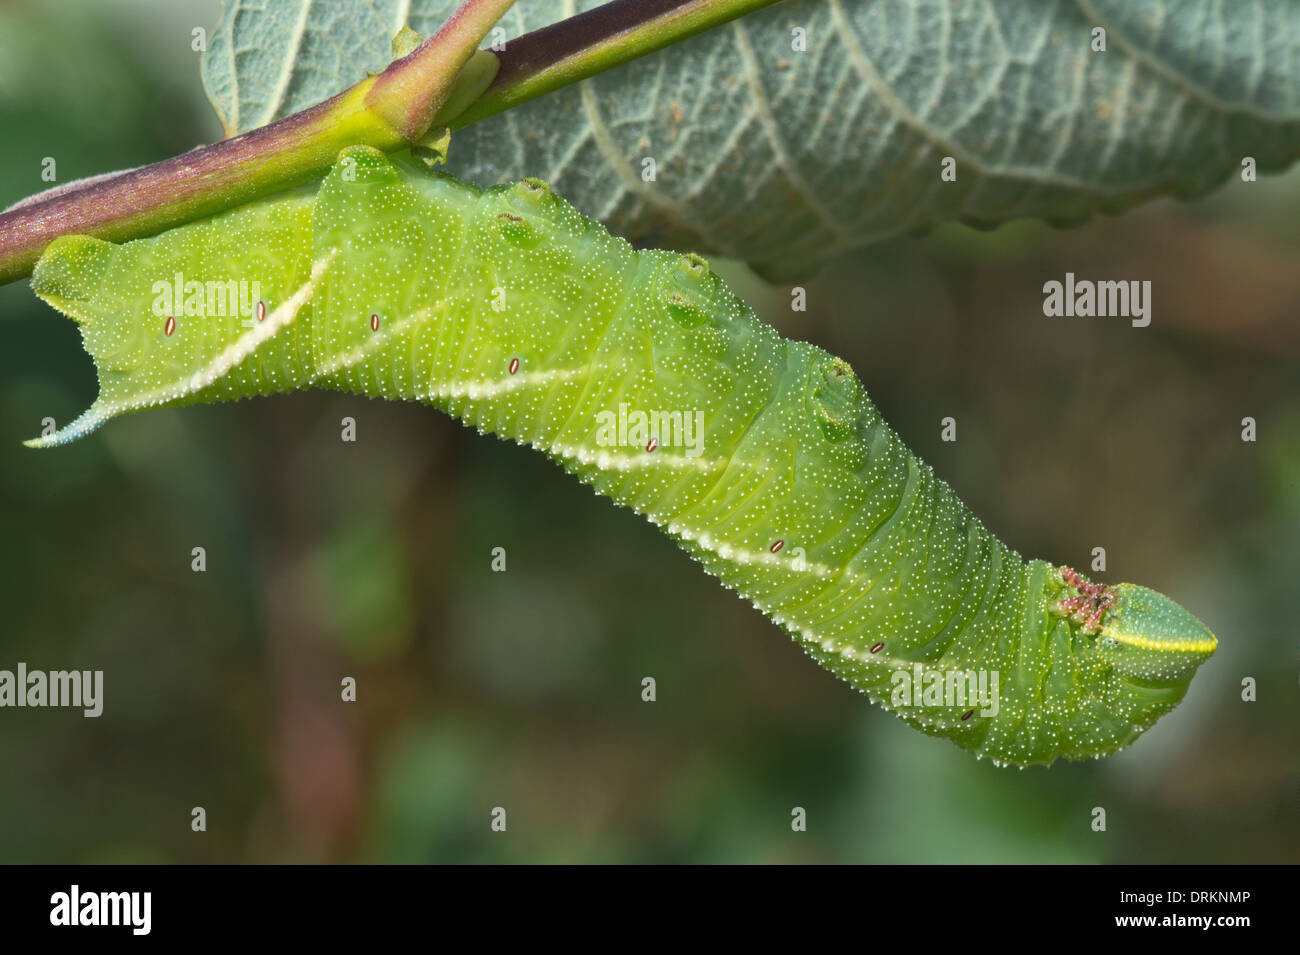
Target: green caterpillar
<point>640,373</point>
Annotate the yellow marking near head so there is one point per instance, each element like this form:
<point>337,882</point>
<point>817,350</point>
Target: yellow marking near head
<point>1147,643</point>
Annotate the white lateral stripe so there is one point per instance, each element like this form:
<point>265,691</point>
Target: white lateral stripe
<point>750,558</point>
<point>476,390</point>
<point>358,354</point>
<point>635,459</point>
<point>247,343</point>
<point>227,359</point>
<point>846,650</point>
<point>598,457</point>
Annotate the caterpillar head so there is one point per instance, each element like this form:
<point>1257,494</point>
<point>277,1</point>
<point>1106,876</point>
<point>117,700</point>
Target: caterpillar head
<point>1143,634</point>
<point>1151,638</point>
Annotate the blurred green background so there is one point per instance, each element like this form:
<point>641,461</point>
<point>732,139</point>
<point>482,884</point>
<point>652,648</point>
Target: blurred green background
<point>522,690</point>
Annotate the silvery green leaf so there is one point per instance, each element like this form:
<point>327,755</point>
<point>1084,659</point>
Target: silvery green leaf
<point>781,156</point>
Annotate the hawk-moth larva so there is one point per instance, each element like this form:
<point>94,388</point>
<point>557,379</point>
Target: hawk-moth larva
<point>643,375</point>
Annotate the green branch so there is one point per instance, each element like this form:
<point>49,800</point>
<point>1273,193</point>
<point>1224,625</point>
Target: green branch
<point>592,42</point>
<point>409,93</point>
